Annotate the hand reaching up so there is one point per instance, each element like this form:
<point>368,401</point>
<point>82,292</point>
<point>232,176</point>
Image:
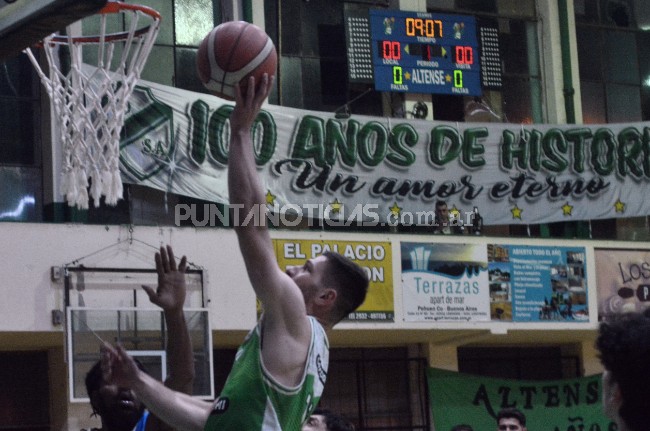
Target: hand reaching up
<point>118,367</point>
<point>170,294</point>
<point>249,103</point>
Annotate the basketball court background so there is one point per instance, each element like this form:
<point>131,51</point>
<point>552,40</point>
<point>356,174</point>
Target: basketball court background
<point>169,59</point>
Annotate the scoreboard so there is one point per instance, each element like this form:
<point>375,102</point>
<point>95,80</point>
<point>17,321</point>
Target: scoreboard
<point>421,52</point>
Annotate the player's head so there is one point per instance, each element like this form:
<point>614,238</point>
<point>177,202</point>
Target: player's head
<point>511,420</point>
<point>442,212</point>
<point>462,427</point>
<point>118,408</point>
<point>351,284</point>
<point>333,286</point>
<point>325,420</point>
<point>624,349</point>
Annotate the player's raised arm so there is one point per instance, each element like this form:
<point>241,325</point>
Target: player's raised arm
<point>247,197</point>
<point>170,296</point>
<point>179,410</point>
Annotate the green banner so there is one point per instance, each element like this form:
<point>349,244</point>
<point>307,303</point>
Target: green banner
<point>551,405</point>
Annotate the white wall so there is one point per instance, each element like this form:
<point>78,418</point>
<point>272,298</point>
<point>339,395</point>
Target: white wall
<point>30,295</point>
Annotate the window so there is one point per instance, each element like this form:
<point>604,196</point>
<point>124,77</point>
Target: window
<point>184,24</point>
<point>378,389</point>
<point>20,159</point>
<point>310,38</point>
<point>614,64</point>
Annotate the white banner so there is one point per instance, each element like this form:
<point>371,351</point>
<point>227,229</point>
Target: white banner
<point>377,170</point>
<point>445,282</point>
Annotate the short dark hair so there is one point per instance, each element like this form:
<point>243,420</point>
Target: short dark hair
<point>351,284</point>
<point>512,414</point>
<point>440,203</point>
<point>623,344</point>
<point>333,421</point>
<point>462,427</point>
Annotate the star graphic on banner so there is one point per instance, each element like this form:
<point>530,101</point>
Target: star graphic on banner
<point>270,198</point>
<point>619,206</point>
<point>407,76</point>
<point>448,77</point>
<point>454,213</point>
<point>516,212</point>
<point>336,206</point>
<point>566,209</point>
<point>395,210</point>
<point>173,163</point>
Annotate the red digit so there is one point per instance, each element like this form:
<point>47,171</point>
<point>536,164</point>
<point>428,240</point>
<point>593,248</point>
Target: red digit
<point>386,50</point>
<point>469,55</point>
<point>460,55</point>
<point>397,53</point>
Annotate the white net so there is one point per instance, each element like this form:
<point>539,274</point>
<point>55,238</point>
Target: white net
<point>89,100</point>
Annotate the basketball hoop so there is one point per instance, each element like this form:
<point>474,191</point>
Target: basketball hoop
<point>90,100</point>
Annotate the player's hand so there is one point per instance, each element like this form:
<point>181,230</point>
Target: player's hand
<point>117,366</point>
<point>171,291</point>
<point>248,103</point>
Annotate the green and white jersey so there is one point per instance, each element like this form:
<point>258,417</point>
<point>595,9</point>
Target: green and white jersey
<point>252,400</point>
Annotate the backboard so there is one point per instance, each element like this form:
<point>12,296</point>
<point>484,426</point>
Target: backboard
<point>109,304</point>
<point>25,22</point>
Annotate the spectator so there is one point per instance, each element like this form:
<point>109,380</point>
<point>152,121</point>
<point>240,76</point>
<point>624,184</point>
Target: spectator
<point>511,420</point>
<point>325,420</point>
<point>624,349</point>
<point>444,224</point>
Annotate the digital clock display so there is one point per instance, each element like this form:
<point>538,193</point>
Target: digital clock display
<point>423,27</point>
<point>419,52</point>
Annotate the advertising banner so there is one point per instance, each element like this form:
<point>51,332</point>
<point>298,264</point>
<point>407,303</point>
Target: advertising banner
<point>493,282</point>
<point>536,283</point>
<point>444,282</point>
<point>379,171</point>
<point>557,405</point>
<point>623,278</point>
<point>374,257</point>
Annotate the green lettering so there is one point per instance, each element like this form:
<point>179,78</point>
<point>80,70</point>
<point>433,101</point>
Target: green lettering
<point>602,152</point>
<point>513,149</point>
<point>402,136</point>
<point>445,145</point>
<point>336,142</point>
<point>578,138</point>
<point>472,150</point>
<point>629,149</point>
<point>553,145</point>
<point>199,115</point>
<point>217,137</point>
<point>373,143</point>
<point>646,151</point>
<point>310,140</point>
<point>269,137</point>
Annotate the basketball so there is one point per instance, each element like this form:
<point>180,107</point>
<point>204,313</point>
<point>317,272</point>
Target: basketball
<point>231,53</point>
